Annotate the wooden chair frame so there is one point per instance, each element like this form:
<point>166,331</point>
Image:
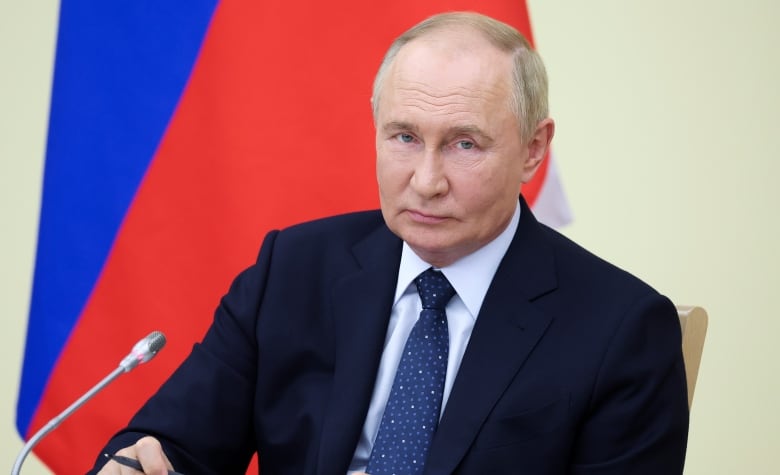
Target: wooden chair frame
<point>693,322</point>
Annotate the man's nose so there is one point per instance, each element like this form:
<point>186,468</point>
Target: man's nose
<point>429,178</point>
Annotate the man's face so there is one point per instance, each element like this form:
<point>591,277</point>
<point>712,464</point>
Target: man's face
<point>450,159</point>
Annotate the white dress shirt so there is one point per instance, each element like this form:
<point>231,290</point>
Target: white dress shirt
<point>470,276</point>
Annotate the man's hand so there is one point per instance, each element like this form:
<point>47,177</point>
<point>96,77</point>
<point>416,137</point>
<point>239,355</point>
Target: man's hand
<point>148,451</point>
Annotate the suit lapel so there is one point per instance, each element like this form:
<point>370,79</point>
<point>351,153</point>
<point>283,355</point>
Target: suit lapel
<point>506,331</point>
<point>362,302</point>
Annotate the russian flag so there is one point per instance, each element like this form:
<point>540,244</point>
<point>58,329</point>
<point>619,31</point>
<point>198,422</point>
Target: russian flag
<point>180,133</point>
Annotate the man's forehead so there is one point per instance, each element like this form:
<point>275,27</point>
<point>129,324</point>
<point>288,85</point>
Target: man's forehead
<point>447,75</point>
<point>425,81</point>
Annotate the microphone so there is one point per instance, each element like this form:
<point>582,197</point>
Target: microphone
<point>143,351</point>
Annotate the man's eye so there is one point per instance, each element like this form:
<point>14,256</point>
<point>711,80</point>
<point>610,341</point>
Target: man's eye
<point>465,144</point>
<point>405,138</point>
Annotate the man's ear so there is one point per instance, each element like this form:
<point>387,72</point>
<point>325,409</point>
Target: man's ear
<point>537,148</point>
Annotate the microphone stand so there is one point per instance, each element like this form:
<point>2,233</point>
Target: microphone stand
<point>142,352</point>
<point>52,424</point>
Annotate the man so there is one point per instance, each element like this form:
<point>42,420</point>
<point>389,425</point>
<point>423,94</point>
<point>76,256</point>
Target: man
<point>551,361</point>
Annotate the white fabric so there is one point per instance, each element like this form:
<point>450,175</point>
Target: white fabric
<point>551,206</point>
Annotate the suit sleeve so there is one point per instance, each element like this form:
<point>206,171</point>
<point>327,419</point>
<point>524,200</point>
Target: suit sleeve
<point>637,422</point>
<point>202,414</point>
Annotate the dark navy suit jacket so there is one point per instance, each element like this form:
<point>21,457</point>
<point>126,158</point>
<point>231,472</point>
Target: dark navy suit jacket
<point>573,367</point>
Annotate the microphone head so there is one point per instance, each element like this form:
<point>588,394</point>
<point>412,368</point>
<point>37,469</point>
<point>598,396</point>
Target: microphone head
<point>156,341</point>
<point>143,351</point>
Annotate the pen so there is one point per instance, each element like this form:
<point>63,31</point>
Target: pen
<point>132,463</point>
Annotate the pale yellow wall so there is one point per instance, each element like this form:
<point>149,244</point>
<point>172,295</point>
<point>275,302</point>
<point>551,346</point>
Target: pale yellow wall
<point>668,116</point>
<point>668,137</point>
<point>27,38</point>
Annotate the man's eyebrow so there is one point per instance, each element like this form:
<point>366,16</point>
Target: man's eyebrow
<point>470,129</point>
<point>467,129</point>
<point>398,125</point>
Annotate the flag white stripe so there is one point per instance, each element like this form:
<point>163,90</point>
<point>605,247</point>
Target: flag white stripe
<point>551,206</point>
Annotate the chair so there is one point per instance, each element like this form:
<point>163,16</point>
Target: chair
<point>693,321</point>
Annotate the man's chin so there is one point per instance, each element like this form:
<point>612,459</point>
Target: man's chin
<point>436,253</point>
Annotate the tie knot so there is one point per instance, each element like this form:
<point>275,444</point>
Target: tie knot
<point>434,289</point>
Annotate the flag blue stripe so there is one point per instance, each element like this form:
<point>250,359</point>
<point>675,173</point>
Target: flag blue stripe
<point>120,69</point>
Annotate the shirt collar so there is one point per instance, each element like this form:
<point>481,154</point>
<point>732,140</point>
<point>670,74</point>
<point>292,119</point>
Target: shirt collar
<point>470,275</point>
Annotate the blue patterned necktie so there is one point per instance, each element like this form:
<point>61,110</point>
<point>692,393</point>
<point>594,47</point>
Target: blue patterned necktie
<point>414,405</point>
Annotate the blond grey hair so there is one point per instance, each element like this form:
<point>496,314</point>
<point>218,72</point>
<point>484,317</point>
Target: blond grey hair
<point>529,78</point>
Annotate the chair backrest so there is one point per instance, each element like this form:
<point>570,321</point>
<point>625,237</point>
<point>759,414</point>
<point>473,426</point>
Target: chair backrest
<point>693,321</point>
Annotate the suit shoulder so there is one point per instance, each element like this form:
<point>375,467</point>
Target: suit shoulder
<point>348,224</point>
<point>575,263</point>
<point>330,234</point>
